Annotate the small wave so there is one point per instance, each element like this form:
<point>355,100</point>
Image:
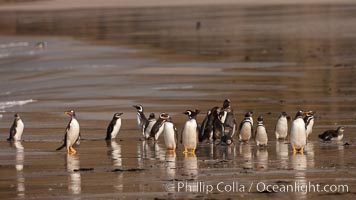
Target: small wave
<point>10,104</point>
<point>14,45</point>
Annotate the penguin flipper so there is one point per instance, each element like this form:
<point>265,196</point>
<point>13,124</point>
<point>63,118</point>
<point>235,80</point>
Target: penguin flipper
<point>176,135</point>
<point>64,143</point>
<point>109,130</point>
<point>12,131</point>
<point>61,147</point>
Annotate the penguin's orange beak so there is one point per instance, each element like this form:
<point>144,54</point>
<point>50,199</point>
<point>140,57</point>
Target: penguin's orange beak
<point>67,112</point>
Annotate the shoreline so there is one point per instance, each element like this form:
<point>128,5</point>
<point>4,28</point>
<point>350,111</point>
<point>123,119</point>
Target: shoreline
<point>92,4</point>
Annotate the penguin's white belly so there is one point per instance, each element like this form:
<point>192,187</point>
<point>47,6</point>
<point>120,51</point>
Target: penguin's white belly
<point>139,122</point>
<point>310,127</point>
<point>338,138</point>
<point>261,136</point>
<point>190,134</point>
<point>223,118</point>
<point>159,132</point>
<point>281,128</point>
<point>245,132</point>
<point>298,137</point>
<point>19,130</point>
<point>73,132</point>
<point>169,135</point>
<point>149,128</point>
<point>116,129</point>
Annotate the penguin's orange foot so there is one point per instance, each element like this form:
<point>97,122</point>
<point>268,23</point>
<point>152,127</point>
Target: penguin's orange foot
<point>294,150</point>
<point>185,150</point>
<point>72,151</point>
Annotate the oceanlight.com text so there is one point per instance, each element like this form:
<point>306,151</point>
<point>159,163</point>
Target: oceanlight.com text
<point>236,187</point>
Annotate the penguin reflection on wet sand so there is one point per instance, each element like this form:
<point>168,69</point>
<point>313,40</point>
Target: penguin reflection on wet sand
<point>298,138</point>
<point>170,133</point>
<point>227,118</point>
<point>16,129</point>
<point>309,122</point>
<point>226,140</point>
<point>261,137</point>
<point>141,118</point>
<point>72,135</point>
<point>246,128</point>
<point>157,128</point>
<point>114,127</point>
<point>190,132</point>
<point>148,126</point>
<point>333,135</point>
<point>281,129</point>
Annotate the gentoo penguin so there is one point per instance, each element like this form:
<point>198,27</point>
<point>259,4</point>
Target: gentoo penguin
<point>157,128</point>
<point>190,131</point>
<point>281,129</point>
<point>261,137</point>
<point>227,118</point>
<point>72,135</point>
<point>170,133</point>
<point>148,127</point>
<point>141,118</point>
<point>16,129</point>
<point>337,134</point>
<point>246,128</point>
<point>309,122</point>
<point>298,137</point>
<point>114,127</point>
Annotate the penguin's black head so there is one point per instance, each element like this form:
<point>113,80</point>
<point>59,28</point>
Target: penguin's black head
<point>191,113</point>
<point>118,115</point>
<point>138,107</point>
<point>164,116</point>
<point>70,113</point>
<point>17,116</point>
<point>248,114</point>
<point>260,119</point>
<point>152,116</point>
<point>299,114</point>
<point>284,114</point>
<point>226,103</point>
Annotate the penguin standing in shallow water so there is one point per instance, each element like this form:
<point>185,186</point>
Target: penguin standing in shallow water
<point>246,128</point>
<point>309,122</point>
<point>170,133</point>
<point>141,118</point>
<point>281,129</point>
<point>190,132</point>
<point>211,128</point>
<point>114,127</point>
<point>16,129</point>
<point>227,118</point>
<point>298,137</point>
<point>330,135</point>
<point>261,137</point>
<point>148,127</point>
<point>72,135</point>
<point>157,128</point>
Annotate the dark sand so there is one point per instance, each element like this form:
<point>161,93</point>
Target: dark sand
<point>99,61</point>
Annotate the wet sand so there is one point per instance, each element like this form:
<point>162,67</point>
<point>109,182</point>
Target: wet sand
<point>264,58</point>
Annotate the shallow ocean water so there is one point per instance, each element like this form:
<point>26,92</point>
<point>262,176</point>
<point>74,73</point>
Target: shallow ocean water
<point>266,59</point>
